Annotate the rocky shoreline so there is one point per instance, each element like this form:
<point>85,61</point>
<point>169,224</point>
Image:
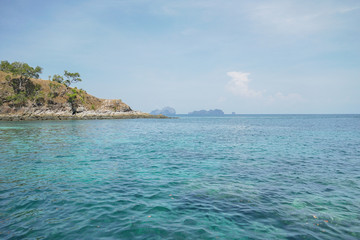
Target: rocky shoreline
<point>88,115</point>
<point>64,112</point>
<point>28,99</point>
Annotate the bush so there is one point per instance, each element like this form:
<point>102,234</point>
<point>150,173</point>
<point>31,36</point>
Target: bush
<point>53,90</point>
<point>39,98</point>
<point>73,96</point>
<point>57,78</point>
<point>18,99</point>
<point>23,71</point>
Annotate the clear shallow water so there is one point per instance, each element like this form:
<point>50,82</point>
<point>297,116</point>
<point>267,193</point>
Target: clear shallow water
<point>244,177</point>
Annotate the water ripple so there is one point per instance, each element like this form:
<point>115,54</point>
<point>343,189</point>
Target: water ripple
<point>249,177</point>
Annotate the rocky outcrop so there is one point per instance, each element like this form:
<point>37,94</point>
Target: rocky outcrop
<point>48,100</point>
<point>110,109</point>
<point>167,111</point>
<point>48,115</point>
<point>215,112</point>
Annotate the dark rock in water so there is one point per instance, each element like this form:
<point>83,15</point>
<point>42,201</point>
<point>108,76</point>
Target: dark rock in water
<point>167,111</point>
<point>215,112</point>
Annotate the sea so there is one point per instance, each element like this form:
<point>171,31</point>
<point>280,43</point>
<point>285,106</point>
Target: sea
<point>231,177</point>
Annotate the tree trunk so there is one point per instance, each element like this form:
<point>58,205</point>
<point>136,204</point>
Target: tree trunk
<point>20,83</point>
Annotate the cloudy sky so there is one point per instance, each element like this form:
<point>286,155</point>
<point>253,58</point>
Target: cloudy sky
<point>271,56</point>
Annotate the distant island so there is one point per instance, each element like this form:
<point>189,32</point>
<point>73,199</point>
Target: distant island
<point>23,96</point>
<point>215,112</point>
<point>166,111</point>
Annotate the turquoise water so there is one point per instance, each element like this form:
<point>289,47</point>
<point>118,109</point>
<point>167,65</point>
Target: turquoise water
<point>242,177</point>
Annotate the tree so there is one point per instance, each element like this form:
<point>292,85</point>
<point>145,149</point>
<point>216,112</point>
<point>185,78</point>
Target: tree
<point>71,78</point>
<point>53,90</point>
<point>5,66</point>
<point>23,70</point>
<point>58,78</point>
<point>74,97</point>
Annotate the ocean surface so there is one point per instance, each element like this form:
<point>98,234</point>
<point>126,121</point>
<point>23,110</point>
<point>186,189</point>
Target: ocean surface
<point>234,177</point>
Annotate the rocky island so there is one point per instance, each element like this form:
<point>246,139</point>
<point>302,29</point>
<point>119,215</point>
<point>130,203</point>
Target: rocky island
<point>23,96</point>
<point>166,111</point>
<point>215,112</point>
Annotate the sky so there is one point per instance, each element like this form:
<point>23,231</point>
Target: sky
<point>251,57</point>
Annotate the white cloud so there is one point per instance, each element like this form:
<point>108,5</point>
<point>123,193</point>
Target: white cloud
<point>349,9</point>
<point>295,17</point>
<point>238,85</point>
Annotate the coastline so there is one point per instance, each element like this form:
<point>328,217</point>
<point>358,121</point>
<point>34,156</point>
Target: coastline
<point>40,99</point>
<point>88,115</point>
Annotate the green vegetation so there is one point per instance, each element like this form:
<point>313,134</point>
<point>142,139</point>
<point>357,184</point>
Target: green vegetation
<point>18,99</point>
<point>68,78</point>
<point>25,91</point>
<point>37,95</point>
<point>22,71</point>
<point>73,98</point>
<point>71,78</point>
<point>57,78</point>
<point>24,96</point>
<point>53,90</point>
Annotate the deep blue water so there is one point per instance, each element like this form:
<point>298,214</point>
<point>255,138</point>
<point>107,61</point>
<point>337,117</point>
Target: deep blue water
<point>241,177</point>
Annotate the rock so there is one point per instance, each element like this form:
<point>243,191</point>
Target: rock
<point>57,106</point>
<point>167,111</point>
<point>215,112</point>
<point>80,109</point>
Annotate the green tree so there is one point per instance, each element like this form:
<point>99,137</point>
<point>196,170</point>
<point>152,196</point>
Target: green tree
<point>23,70</point>
<point>71,78</point>
<point>58,78</point>
<point>53,90</point>
<point>74,97</point>
<point>5,66</point>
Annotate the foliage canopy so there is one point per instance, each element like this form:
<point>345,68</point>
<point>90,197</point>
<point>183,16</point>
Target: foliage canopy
<point>24,89</point>
<point>71,78</point>
<point>21,69</point>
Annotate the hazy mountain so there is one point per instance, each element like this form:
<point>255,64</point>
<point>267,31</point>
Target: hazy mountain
<point>167,111</point>
<point>215,112</point>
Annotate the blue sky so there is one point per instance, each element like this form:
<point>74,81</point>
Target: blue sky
<point>240,56</point>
